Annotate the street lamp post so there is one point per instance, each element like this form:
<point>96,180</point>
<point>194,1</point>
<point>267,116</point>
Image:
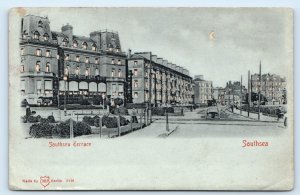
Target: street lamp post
<point>65,99</point>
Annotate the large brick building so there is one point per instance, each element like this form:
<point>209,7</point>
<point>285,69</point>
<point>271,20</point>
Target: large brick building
<point>158,81</point>
<point>203,90</point>
<point>53,63</point>
<point>272,86</point>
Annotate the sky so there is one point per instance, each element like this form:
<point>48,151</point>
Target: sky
<point>241,38</point>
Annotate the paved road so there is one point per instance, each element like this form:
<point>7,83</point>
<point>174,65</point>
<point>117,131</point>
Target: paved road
<point>194,124</point>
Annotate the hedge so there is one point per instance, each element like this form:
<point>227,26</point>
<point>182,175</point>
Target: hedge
<point>39,130</point>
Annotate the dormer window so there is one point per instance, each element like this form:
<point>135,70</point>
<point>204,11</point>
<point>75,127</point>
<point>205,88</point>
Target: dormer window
<point>48,53</point>
<point>94,47</point>
<point>96,60</point>
<point>46,37</point>
<point>65,42</point>
<point>36,35</point>
<point>119,62</point>
<point>67,57</point>
<point>38,52</point>
<point>75,44</point>
<point>87,72</point>
<point>24,35</point>
<point>40,24</point>
<point>66,72</point>
<point>48,67</point>
<point>117,50</point>
<point>77,58</point>
<point>77,71</point>
<point>112,61</point>
<point>84,45</point>
<point>87,60</point>
<point>38,66</point>
<point>22,68</point>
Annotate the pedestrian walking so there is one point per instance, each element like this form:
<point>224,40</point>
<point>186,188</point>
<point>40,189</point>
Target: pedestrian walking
<point>133,117</point>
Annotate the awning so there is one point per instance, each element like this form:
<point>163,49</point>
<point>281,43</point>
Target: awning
<point>102,87</point>
<point>93,87</point>
<point>73,86</point>
<point>83,85</point>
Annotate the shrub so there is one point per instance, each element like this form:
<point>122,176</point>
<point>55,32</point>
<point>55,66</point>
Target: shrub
<point>118,101</point>
<point>96,121</point>
<point>85,102</point>
<point>32,119</point>
<point>79,128</point>
<point>89,120</point>
<point>158,111</point>
<point>111,122</point>
<point>82,128</point>
<point>119,111</point>
<point>38,118</point>
<point>39,130</point>
<point>51,119</point>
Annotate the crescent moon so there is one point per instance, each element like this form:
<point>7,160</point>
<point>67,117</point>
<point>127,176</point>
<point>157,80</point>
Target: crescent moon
<point>212,35</point>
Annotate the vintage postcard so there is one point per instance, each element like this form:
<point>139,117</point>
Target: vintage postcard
<point>151,99</point>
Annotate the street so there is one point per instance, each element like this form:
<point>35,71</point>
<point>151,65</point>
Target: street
<point>194,124</point>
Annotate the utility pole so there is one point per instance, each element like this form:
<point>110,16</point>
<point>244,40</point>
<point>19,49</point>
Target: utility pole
<point>249,92</point>
<point>241,94</point>
<point>259,88</point>
<point>150,87</point>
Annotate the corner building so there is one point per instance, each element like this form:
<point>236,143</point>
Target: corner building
<point>56,65</point>
<point>159,82</point>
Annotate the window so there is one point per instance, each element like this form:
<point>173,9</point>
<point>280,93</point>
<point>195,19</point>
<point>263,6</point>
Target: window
<point>119,62</point>
<point>48,85</point>
<point>112,61</point>
<point>97,72</point>
<point>40,24</point>
<point>87,72</point>
<point>67,57</point>
<point>24,35</point>
<point>65,42</point>
<point>120,94</point>
<point>110,49</point>
<point>84,45</point>
<point>146,84</point>
<point>87,60</point>
<point>39,86</point>
<point>113,72</point>
<point>117,50</point>
<point>135,62</point>
<point>114,87</point>
<point>22,51</point>
<point>38,52</point>
<point>77,70</point>
<point>75,44</point>
<point>36,35</point>
<point>94,47</point>
<point>136,84</point>
<point>38,66</point>
<point>66,72</point>
<point>120,88</point>
<point>119,73</point>
<point>136,95</point>
<point>46,37</point>
<point>22,68</point>
<point>23,86</point>
<point>77,58</point>
<point>135,72</point>
<point>96,60</point>
<point>57,56</point>
<point>48,54</point>
<point>48,67</point>
<point>146,73</point>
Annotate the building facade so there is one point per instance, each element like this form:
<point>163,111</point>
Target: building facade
<point>157,81</point>
<point>272,86</point>
<point>56,65</point>
<point>203,90</point>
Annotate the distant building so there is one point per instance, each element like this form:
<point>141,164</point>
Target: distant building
<point>219,94</point>
<point>55,64</point>
<point>203,90</point>
<point>234,92</point>
<point>273,87</point>
<point>158,81</point>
